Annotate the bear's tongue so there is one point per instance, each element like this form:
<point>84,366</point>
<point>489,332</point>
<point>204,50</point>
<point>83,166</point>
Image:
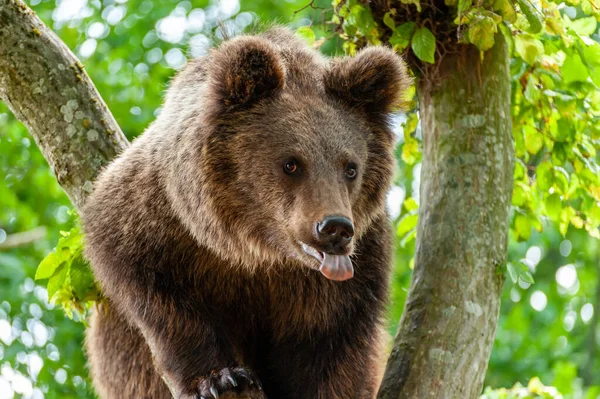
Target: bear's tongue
<point>337,267</point>
<point>334,267</point>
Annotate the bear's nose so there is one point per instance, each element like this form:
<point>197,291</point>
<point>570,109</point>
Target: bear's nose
<point>335,231</point>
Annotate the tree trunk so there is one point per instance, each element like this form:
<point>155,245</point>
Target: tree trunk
<point>46,87</point>
<point>447,331</point>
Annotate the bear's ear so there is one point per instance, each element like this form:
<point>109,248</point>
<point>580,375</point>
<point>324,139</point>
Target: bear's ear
<point>243,71</point>
<point>374,81</point>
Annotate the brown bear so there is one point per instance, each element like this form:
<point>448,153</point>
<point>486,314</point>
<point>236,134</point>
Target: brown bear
<point>242,241</point>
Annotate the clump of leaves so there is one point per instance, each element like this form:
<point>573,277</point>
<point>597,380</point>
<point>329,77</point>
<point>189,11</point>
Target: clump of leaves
<point>70,283</point>
<point>426,30</point>
<point>535,389</point>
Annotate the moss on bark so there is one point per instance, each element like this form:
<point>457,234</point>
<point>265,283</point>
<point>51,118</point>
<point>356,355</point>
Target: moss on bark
<point>47,88</point>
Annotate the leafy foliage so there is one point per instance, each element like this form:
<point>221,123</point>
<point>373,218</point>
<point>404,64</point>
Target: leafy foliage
<point>130,55</point>
<point>41,351</point>
<point>70,280</point>
<point>534,390</point>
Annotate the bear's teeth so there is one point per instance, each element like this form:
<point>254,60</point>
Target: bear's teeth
<point>312,252</point>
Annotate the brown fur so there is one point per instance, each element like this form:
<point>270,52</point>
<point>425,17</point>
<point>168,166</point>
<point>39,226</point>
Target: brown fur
<point>193,232</point>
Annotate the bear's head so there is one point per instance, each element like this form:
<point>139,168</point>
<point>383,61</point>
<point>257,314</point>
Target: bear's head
<point>286,157</point>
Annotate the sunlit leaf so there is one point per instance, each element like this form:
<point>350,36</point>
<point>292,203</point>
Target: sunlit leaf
<point>407,223</point>
<point>544,176</point>
<point>423,44</point>
<point>584,26</point>
<point>573,69</point>
<point>388,20</point>
<point>553,205</point>
<point>402,35</point>
<point>482,32</point>
<point>522,227</point>
<point>528,48</point>
<point>307,34</point>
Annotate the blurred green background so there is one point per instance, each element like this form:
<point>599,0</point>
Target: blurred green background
<point>131,48</point>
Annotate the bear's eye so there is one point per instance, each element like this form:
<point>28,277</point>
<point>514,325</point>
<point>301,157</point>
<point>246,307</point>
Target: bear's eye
<point>351,171</point>
<point>290,167</point>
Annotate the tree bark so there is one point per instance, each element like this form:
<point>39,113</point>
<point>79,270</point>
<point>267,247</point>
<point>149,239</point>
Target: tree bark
<point>447,330</point>
<point>46,87</point>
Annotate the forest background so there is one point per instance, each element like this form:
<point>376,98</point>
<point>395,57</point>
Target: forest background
<point>549,328</point>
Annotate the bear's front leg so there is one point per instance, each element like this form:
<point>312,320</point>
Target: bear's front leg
<point>195,357</point>
<point>191,348</point>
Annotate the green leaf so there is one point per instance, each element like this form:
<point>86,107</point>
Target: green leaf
<point>559,154</point>
<point>68,245</point>
<point>566,215</point>
<point>361,18</point>
<point>388,20</point>
<point>408,238</point>
<point>410,125</point>
<point>521,194</point>
<point>519,270</point>
<point>544,176</point>
<point>528,48</point>
<point>57,281</point>
<point>573,69</point>
<point>349,48</point>
<point>584,26</point>
<point>522,227</point>
<point>520,170</point>
<point>532,93</point>
<point>410,204</point>
<point>307,34</point>
<point>561,179</point>
<point>513,272</point>
<point>534,141</point>
<point>410,151</point>
<point>463,6</point>
<point>81,279</point>
<point>400,39</point>
<point>534,17</point>
<point>553,206</point>
<point>591,53</point>
<point>506,9</point>
<point>423,44</point>
<point>527,277</point>
<point>481,33</point>
<point>407,223</point>
<point>48,265</point>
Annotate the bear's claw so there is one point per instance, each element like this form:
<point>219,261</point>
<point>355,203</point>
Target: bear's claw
<point>226,380</point>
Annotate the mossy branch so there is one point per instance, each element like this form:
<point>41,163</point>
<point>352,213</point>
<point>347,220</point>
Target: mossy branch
<point>47,88</point>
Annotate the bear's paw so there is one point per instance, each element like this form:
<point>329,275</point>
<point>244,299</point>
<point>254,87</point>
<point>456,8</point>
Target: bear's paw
<point>227,381</point>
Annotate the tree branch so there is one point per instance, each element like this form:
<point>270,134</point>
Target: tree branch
<point>24,238</point>
<point>46,87</point>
